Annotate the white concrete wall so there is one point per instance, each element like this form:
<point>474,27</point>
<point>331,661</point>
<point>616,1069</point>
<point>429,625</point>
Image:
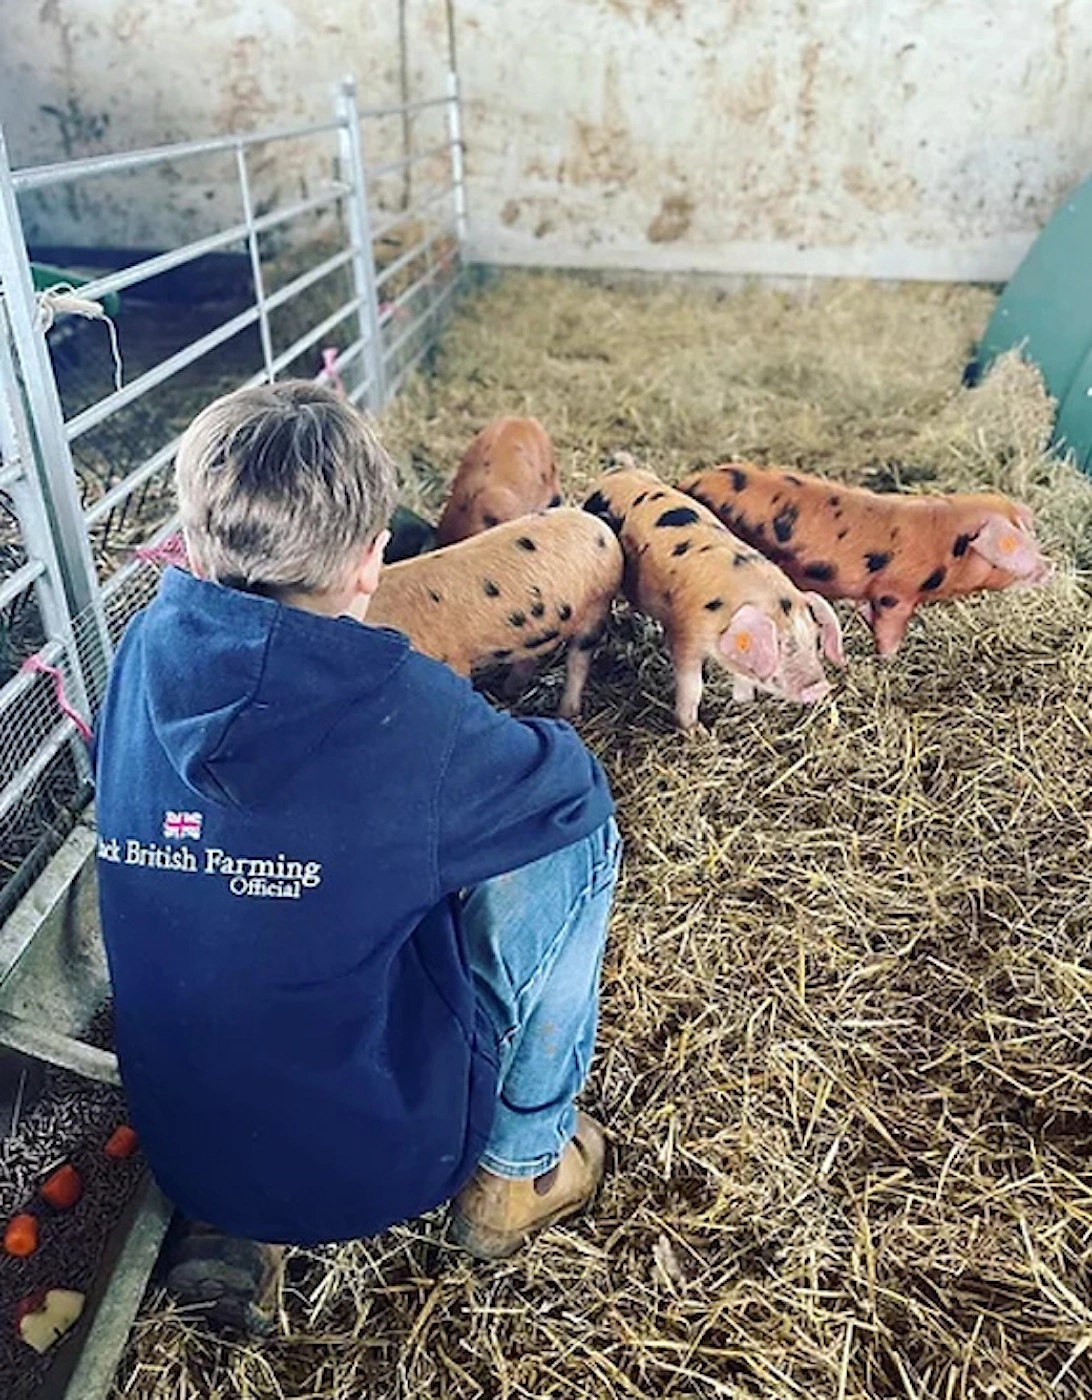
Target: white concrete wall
<point>82,77</point>
<point>922,138</point>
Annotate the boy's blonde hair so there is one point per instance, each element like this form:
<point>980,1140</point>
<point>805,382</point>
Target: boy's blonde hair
<point>279,486</point>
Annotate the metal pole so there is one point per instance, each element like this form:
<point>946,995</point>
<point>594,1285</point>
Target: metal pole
<point>429,280</point>
<point>52,460</point>
<point>455,133</point>
<point>255,262</point>
<point>360,231</point>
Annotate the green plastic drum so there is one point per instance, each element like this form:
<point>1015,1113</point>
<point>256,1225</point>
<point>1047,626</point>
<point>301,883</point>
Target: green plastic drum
<point>1046,310</point>
<point>1073,429</point>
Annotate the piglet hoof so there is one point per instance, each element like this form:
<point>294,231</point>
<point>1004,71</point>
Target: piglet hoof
<point>743,690</point>
<point>569,709</point>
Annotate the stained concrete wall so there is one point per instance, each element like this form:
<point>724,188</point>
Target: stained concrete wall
<point>922,138</point>
<point>83,77</point>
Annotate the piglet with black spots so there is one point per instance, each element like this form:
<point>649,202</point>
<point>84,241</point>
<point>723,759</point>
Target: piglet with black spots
<point>507,471</point>
<point>717,598</point>
<point>509,597</point>
<point>889,552</point>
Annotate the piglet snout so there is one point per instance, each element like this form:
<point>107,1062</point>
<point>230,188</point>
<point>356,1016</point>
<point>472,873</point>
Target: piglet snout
<point>818,691</point>
<point>1013,549</point>
<point>1037,573</point>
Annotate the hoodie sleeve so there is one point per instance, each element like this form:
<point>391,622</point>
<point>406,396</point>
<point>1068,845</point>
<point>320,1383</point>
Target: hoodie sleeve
<point>513,791</point>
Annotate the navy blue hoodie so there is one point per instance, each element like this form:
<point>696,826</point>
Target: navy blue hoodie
<point>287,807</point>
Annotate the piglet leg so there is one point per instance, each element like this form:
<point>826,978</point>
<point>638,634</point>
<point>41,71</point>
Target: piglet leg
<point>582,647</point>
<point>577,666</point>
<point>889,626</point>
<point>688,684</point>
<point>578,661</point>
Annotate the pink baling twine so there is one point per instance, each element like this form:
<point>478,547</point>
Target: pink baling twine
<point>35,663</point>
<point>172,550</point>
<point>391,311</point>
<point>328,373</point>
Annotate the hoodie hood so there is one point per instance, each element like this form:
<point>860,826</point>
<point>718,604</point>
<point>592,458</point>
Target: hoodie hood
<point>242,690</point>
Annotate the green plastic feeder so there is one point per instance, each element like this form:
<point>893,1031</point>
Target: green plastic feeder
<point>1046,310</point>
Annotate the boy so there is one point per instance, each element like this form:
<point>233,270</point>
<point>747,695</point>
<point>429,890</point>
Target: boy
<point>354,916</point>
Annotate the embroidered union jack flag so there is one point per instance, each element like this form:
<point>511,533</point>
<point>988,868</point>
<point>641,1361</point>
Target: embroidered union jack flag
<point>177,826</point>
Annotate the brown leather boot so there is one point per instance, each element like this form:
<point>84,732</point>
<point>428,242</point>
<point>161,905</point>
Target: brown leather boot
<point>493,1215</point>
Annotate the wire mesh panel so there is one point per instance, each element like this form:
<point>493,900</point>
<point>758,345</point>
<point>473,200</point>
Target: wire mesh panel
<point>346,276</point>
<point>43,767</point>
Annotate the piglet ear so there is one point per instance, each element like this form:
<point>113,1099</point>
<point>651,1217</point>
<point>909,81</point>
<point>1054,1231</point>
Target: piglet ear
<point>1006,546</point>
<point>750,644</point>
<point>830,629</point>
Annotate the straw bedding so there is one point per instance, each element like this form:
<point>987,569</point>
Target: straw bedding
<point>844,1057</point>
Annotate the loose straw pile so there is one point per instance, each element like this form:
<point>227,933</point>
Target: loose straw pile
<point>847,1011</point>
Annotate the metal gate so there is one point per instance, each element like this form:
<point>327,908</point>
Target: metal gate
<point>350,282</point>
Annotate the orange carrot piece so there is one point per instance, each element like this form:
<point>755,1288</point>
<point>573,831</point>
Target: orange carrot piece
<point>122,1142</point>
<point>63,1189</point>
<point>21,1236</point>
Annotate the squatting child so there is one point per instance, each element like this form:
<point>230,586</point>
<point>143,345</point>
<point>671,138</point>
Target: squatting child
<point>354,915</point>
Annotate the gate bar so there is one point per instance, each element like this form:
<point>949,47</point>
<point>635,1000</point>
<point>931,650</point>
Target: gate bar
<point>360,232</point>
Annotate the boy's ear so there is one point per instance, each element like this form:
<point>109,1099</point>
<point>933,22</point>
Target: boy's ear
<point>371,562</point>
<point>190,558</point>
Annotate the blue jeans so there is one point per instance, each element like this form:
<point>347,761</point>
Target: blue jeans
<point>535,939</point>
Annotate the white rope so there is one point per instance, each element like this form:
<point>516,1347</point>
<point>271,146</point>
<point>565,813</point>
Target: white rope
<point>63,299</point>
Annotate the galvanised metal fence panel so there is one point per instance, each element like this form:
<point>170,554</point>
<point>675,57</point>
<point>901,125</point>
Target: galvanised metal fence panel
<point>43,761</point>
<point>350,280</point>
